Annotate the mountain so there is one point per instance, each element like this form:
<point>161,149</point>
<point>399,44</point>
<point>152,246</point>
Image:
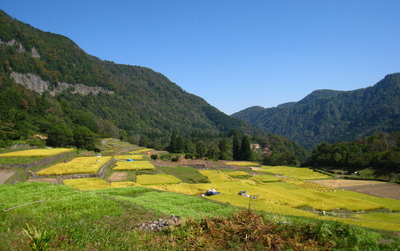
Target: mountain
<point>51,70</point>
<point>332,116</point>
<point>50,86</point>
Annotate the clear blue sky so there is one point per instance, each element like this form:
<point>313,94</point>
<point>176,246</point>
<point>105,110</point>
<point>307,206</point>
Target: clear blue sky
<point>234,54</point>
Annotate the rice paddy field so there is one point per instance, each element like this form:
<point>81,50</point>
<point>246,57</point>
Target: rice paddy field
<point>143,150</point>
<point>270,192</point>
<point>243,163</point>
<point>282,190</point>
<point>133,165</point>
<point>148,179</point>
<point>79,165</point>
<point>126,157</point>
<point>37,152</point>
<point>277,193</point>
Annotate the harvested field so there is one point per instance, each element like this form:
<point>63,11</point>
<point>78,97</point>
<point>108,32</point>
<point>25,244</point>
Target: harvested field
<point>346,183</point>
<point>118,176</point>
<point>379,190</point>
<point>5,175</point>
<point>374,188</point>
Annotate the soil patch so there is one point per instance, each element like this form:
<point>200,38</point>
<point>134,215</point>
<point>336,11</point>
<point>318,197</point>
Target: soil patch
<point>5,175</point>
<point>346,183</point>
<point>118,176</point>
<point>374,188</point>
<point>379,190</point>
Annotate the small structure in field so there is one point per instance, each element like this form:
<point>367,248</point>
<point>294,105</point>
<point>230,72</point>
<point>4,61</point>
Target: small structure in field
<point>210,192</point>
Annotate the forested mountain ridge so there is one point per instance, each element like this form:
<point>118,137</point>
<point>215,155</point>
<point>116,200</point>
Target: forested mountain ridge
<point>135,99</point>
<point>50,86</point>
<point>333,116</point>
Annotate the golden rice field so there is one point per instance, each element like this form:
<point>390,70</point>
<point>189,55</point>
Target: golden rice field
<point>147,179</point>
<point>133,165</point>
<point>37,152</point>
<point>86,184</point>
<point>215,176</point>
<point>79,165</point>
<point>237,174</point>
<point>273,194</point>
<point>243,163</point>
<point>141,150</point>
<point>266,178</point>
<point>295,172</point>
<point>125,157</point>
<point>288,196</point>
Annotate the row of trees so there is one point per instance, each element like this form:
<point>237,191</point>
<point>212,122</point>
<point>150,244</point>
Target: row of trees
<point>381,152</point>
<point>81,137</point>
<point>227,147</point>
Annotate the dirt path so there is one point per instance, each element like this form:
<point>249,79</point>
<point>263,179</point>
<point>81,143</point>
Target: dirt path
<point>5,175</point>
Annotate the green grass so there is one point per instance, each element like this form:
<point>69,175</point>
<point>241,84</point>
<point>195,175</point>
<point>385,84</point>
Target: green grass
<point>170,203</point>
<point>19,160</point>
<point>185,174</point>
<point>64,218</point>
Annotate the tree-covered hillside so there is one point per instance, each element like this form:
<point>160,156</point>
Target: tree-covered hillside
<point>50,86</point>
<point>333,116</point>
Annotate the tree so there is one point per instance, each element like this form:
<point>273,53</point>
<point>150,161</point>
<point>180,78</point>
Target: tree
<point>213,153</point>
<point>60,136</point>
<point>84,138</point>
<point>236,147</point>
<point>223,149</point>
<point>173,144</point>
<point>245,149</point>
<point>200,149</point>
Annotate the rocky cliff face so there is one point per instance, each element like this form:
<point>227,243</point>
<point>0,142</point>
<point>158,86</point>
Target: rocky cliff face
<point>37,84</point>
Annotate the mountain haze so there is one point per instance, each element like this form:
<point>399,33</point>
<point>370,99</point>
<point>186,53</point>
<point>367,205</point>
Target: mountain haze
<point>332,116</point>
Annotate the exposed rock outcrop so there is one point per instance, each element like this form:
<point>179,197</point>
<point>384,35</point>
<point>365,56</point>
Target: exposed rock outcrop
<point>37,84</point>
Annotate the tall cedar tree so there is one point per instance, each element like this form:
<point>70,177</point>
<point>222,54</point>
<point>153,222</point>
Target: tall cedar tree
<point>245,149</point>
<point>236,147</point>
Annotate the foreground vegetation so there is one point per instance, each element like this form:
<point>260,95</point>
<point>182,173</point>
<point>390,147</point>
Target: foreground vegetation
<point>58,217</point>
<point>283,209</point>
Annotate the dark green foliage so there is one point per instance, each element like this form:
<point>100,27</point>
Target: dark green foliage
<point>281,159</point>
<point>85,138</point>
<point>333,116</point>
<point>380,152</point>
<point>200,149</point>
<point>236,147</point>
<point>245,149</point>
<point>60,136</point>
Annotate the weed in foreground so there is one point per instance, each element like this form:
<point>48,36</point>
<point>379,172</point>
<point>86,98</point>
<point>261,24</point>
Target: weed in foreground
<point>38,240</point>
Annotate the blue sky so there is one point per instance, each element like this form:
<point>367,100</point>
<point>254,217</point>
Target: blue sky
<point>234,54</point>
